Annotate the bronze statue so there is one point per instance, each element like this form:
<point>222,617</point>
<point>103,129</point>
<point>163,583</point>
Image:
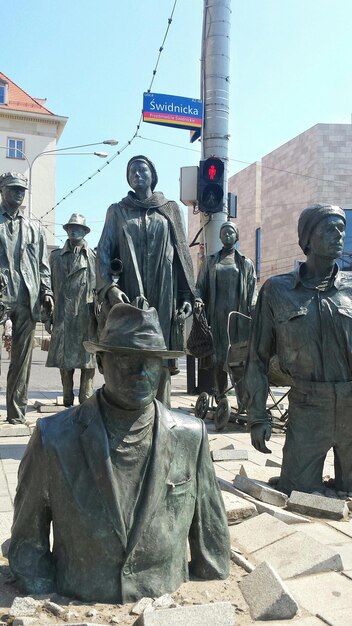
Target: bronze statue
<point>73,281</point>
<point>25,281</point>
<point>305,317</point>
<point>146,233</point>
<point>124,482</point>
<point>226,282</point>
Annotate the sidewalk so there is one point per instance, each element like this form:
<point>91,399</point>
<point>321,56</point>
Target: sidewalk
<point>333,608</point>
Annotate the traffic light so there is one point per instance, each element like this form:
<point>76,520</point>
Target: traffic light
<point>211,185</point>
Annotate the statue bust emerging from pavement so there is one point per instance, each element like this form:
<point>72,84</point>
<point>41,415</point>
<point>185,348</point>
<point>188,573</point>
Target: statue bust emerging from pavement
<point>124,482</point>
<point>145,231</point>
<point>305,317</point>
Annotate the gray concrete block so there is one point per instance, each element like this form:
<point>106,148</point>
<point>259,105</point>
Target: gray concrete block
<point>272,463</point>
<point>260,491</point>
<point>227,454</point>
<point>321,593</point>
<point>217,614</point>
<point>262,507</point>
<point>258,472</point>
<point>317,506</point>
<point>25,606</point>
<point>237,508</point>
<point>298,555</point>
<point>14,430</point>
<point>266,595</point>
<point>258,532</point>
<point>51,408</point>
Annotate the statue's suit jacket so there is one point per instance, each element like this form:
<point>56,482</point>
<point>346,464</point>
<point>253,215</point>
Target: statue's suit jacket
<point>66,477</point>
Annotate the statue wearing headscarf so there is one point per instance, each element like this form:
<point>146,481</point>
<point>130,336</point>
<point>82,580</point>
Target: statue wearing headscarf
<point>145,232</point>
<point>305,318</point>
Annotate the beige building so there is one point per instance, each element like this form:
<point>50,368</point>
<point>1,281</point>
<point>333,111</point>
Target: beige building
<point>27,129</point>
<point>314,167</point>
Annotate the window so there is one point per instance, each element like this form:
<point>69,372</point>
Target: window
<point>257,252</point>
<point>15,148</point>
<point>3,93</point>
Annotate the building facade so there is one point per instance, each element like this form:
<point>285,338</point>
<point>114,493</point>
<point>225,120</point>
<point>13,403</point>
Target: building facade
<point>27,129</point>
<point>315,166</point>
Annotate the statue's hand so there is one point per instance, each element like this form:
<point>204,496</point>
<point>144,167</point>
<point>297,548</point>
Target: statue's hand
<point>198,306</point>
<point>260,433</point>
<point>185,310</point>
<point>48,305</point>
<point>116,296</point>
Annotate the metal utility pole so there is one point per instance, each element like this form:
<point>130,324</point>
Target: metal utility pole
<point>215,88</point>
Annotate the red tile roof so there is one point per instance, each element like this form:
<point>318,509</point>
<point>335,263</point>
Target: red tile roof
<point>19,100</point>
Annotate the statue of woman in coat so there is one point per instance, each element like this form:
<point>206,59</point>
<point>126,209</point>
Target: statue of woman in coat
<point>145,231</point>
<point>226,282</point>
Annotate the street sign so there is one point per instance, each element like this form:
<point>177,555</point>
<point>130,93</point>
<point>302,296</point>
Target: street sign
<point>173,111</point>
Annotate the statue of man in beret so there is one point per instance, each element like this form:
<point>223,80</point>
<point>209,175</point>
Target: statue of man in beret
<point>73,281</point>
<point>25,279</point>
<point>305,318</point>
<point>125,484</point>
<point>145,231</point>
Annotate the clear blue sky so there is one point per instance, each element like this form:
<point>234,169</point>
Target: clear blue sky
<point>290,69</point>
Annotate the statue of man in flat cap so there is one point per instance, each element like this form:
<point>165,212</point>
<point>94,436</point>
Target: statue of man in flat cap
<point>305,318</point>
<point>145,231</point>
<point>25,274</point>
<point>124,483</point>
<point>73,281</point>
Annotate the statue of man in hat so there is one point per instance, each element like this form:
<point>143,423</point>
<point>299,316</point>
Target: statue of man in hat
<point>305,318</point>
<point>73,281</point>
<point>145,231</point>
<point>124,483</point>
<point>25,281</point>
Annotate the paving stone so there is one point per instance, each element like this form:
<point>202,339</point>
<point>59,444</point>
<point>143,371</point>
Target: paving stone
<point>262,507</point>
<point>216,614</point>
<point>344,526</point>
<point>14,430</point>
<point>229,455</point>
<point>258,532</point>
<point>24,621</point>
<point>24,606</point>
<point>256,472</point>
<point>141,605</point>
<point>322,592</point>
<point>337,617</point>
<point>266,594</point>
<point>260,491</point>
<point>323,533</point>
<point>164,602</point>
<point>50,408</point>
<point>237,508</point>
<point>272,463</point>
<point>317,506</point>
<point>298,555</point>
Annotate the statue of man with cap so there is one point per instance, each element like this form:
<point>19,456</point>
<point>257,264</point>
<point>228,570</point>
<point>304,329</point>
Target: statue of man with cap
<point>305,318</point>
<point>25,279</point>
<point>145,231</point>
<point>125,484</point>
<point>73,282</point>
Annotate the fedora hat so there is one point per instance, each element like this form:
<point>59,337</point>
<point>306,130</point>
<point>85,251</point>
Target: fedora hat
<point>129,330</point>
<point>77,219</point>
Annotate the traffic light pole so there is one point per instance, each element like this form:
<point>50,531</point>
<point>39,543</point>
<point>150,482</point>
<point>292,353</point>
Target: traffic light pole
<point>215,88</point>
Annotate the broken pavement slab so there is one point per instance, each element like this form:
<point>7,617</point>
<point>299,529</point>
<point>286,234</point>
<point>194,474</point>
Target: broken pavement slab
<point>226,454</point>
<point>299,555</point>
<point>216,614</point>
<point>260,491</point>
<point>322,593</point>
<point>317,505</point>
<point>266,595</point>
<point>258,472</point>
<point>237,508</point>
<point>258,532</point>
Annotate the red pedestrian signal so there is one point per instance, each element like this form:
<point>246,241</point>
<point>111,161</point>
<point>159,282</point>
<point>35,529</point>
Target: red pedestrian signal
<point>211,185</point>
